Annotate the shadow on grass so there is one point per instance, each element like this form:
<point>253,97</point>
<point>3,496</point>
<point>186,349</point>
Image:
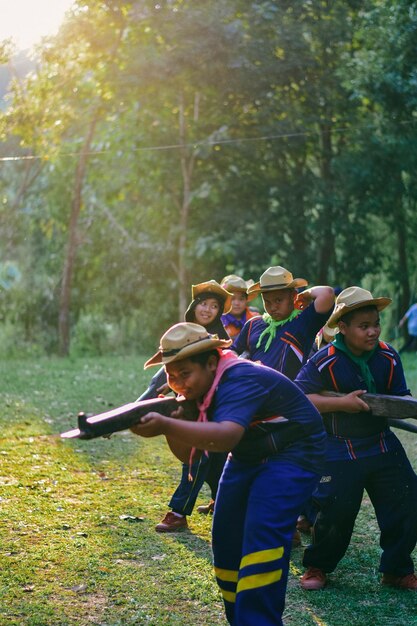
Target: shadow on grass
<point>353,595</point>
<point>69,553</point>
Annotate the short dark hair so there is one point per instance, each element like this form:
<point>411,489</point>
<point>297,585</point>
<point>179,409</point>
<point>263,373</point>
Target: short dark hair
<point>348,317</point>
<point>202,357</point>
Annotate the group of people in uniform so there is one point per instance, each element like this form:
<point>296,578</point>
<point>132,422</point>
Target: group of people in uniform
<point>276,451</point>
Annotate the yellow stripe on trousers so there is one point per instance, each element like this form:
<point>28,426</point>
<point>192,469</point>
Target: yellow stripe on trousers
<point>228,575</point>
<point>229,596</point>
<point>263,556</point>
<point>258,580</point>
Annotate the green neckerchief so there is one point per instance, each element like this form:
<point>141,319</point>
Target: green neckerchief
<point>271,329</point>
<point>361,361</point>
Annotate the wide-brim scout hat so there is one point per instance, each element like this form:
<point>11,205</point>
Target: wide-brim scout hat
<point>354,298</point>
<point>236,284</point>
<point>326,334</point>
<point>277,277</point>
<point>182,341</point>
<point>212,287</point>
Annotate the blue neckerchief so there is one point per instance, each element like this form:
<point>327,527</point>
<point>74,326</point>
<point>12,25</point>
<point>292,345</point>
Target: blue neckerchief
<point>228,318</point>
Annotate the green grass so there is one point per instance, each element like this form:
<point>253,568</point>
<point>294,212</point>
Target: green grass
<point>69,556</point>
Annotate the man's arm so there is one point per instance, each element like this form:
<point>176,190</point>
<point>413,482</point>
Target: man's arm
<point>322,296</point>
<point>349,403</point>
<point>211,436</point>
<point>402,321</point>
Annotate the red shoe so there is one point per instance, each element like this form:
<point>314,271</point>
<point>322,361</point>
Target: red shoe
<point>401,582</point>
<point>313,579</point>
<point>205,509</point>
<point>171,523</point>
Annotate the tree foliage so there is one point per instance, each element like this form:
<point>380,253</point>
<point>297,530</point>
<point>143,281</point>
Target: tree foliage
<point>162,144</point>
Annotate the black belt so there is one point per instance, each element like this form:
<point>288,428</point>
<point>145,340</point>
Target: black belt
<point>353,425</point>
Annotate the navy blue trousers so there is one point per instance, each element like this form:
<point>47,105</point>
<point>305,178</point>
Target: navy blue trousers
<point>391,485</point>
<point>254,520</point>
<point>208,469</point>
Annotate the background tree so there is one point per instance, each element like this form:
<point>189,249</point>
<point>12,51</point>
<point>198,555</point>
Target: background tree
<point>164,144</point>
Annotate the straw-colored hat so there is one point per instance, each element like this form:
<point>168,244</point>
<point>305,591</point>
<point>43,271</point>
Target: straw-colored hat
<point>212,286</point>
<point>277,277</point>
<point>236,284</point>
<point>182,341</point>
<point>326,334</point>
<point>354,298</point>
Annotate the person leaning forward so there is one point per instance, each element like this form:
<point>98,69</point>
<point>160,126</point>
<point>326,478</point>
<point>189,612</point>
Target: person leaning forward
<point>283,336</point>
<point>258,499</point>
<point>209,302</point>
<point>362,453</point>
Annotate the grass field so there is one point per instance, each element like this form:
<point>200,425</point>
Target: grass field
<point>77,518</point>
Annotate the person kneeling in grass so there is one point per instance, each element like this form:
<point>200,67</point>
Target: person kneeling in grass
<point>258,501</point>
<point>362,453</point>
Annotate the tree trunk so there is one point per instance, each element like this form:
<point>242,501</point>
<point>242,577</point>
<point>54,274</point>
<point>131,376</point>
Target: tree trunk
<point>403,272</point>
<point>327,239</point>
<point>187,165</point>
<point>68,271</point>
<point>298,218</point>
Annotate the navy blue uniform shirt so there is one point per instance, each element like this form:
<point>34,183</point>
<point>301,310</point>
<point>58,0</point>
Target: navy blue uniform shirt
<point>291,346</point>
<point>354,435</point>
<point>249,394</point>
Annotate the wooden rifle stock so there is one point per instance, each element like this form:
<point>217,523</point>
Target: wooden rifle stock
<point>126,416</point>
<point>394,408</point>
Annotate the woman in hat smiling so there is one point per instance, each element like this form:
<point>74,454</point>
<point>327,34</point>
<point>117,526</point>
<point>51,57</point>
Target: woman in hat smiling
<point>362,453</point>
<point>210,302</point>
<point>259,496</point>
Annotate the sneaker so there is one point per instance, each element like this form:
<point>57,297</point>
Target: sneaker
<point>296,539</point>
<point>205,509</point>
<point>171,523</point>
<point>303,525</point>
<point>313,579</point>
<point>401,582</point>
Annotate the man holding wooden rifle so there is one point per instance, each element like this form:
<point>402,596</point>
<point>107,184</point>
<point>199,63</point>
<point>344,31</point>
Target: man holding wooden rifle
<point>362,452</point>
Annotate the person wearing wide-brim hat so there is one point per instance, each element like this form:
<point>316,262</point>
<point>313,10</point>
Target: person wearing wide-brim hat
<point>354,298</point>
<point>362,453</point>
<point>260,494</point>
<point>283,336</point>
<point>240,313</point>
<point>326,334</point>
<point>209,302</point>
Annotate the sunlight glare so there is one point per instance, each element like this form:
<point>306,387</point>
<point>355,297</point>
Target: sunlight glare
<point>27,21</point>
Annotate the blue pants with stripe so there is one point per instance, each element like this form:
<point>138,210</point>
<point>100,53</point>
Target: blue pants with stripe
<point>254,520</point>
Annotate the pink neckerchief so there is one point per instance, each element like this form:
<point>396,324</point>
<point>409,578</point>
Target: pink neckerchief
<point>227,359</point>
